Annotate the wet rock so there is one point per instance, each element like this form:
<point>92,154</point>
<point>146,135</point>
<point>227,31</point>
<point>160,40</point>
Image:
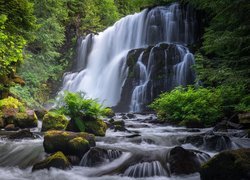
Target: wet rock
<point>97,127</point>
<point>88,124</point>
<point>57,160</point>
<point>209,141</point>
<point>229,165</point>
<point>74,160</point>
<point>54,121</point>
<point>124,117</point>
<point>182,161</point>
<point>224,125</point>
<point>26,119</point>
<point>131,116</point>
<point>23,134</point>
<point>97,156</point>
<point>40,113</point>
<point>217,142</point>
<point>245,119</point>
<point>11,127</point>
<point>118,125</point>
<point>69,143</point>
<point>196,140</point>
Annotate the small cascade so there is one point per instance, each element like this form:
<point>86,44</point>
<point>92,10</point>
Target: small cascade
<point>98,156</point>
<point>102,69</point>
<point>146,169</point>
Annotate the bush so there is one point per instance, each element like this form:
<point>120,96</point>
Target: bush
<point>183,105</point>
<point>232,96</point>
<point>77,105</point>
<point>244,105</point>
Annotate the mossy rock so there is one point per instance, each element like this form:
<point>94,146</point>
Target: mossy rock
<point>229,165</point>
<point>2,121</point>
<point>26,119</point>
<point>97,127</point>
<point>54,121</point>
<point>69,143</point>
<point>79,146</point>
<point>57,160</point>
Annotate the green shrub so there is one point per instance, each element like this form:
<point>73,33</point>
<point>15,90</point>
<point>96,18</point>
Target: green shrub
<point>232,95</point>
<point>182,105</point>
<point>244,105</point>
<point>77,105</point>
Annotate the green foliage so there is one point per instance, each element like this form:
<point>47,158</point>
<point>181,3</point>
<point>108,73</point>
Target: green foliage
<point>244,105</point>
<point>226,42</point>
<point>232,95</point>
<point>11,102</point>
<point>76,106</point>
<point>183,105</point>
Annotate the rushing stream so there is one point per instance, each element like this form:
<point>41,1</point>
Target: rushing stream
<point>141,152</point>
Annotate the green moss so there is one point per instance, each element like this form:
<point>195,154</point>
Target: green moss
<point>25,120</point>
<point>78,145</point>
<point>57,160</point>
<point>228,165</point>
<point>54,121</point>
<point>11,102</point>
<point>97,127</point>
<point>68,142</point>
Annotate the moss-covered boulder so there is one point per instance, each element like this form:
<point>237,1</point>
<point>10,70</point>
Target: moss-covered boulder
<point>54,121</point>
<point>57,160</point>
<point>97,127</point>
<point>26,119</point>
<point>229,165</point>
<point>69,143</point>
<point>12,111</point>
<point>78,146</point>
<point>88,124</point>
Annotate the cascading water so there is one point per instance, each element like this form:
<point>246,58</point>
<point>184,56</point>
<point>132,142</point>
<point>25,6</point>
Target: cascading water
<point>102,68</point>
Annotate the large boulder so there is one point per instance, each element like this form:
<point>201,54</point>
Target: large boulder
<point>69,143</point>
<point>229,165</point>
<point>54,121</point>
<point>26,119</point>
<point>97,127</point>
<point>182,161</point>
<point>88,124</point>
<point>57,160</point>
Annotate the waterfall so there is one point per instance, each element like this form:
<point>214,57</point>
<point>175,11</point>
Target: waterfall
<point>146,169</point>
<point>102,69</point>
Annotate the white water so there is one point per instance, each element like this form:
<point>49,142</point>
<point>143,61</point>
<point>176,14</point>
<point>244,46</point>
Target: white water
<point>142,155</point>
<point>104,70</point>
